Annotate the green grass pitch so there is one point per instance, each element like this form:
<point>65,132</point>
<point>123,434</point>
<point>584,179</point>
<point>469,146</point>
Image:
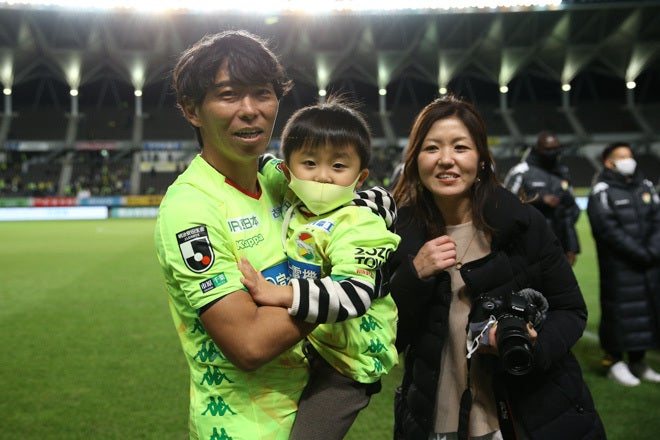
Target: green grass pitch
<point>89,350</point>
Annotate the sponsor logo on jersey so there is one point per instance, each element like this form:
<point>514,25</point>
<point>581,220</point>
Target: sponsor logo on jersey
<point>305,243</point>
<point>196,248</point>
<point>242,224</point>
<point>212,283</point>
<point>324,224</point>
<point>249,242</point>
<point>278,274</point>
<point>300,269</point>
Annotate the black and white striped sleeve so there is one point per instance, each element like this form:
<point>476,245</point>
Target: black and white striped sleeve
<point>326,301</point>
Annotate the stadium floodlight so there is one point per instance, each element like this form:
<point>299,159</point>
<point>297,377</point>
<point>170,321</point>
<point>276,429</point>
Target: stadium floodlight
<point>566,87</point>
<point>289,6</point>
<point>631,85</point>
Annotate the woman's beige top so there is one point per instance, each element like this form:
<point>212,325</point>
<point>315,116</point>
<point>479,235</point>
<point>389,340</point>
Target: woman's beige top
<point>470,245</point>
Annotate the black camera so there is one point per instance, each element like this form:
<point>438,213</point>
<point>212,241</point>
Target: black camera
<point>512,312</point>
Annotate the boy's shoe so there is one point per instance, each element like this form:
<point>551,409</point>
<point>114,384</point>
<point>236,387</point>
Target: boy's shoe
<point>644,372</point>
<point>620,374</point>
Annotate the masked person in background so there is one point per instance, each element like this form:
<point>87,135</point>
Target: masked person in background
<point>470,249</point>
<point>543,181</point>
<point>624,212</point>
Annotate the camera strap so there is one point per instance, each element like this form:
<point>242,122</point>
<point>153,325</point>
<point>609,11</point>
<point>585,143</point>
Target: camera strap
<point>464,409</point>
<point>504,415</point>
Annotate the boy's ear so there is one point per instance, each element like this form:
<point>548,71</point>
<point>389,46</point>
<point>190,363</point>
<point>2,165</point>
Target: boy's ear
<point>190,111</point>
<point>363,176</point>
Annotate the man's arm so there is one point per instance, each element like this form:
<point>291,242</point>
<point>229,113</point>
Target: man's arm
<point>251,336</point>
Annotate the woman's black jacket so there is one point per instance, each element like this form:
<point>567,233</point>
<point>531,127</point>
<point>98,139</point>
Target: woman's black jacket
<point>551,402</point>
<point>625,221</point>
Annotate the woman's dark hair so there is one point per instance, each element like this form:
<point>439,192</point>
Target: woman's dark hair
<point>409,190</point>
<point>335,122</point>
<point>248,59</point>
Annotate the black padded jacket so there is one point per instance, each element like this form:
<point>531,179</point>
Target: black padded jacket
<point>552,401</point>
<point>625,222</point>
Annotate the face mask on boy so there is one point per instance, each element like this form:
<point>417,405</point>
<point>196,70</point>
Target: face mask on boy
<point>319,197</point>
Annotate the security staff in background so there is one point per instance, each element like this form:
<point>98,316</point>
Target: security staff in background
<point>624,212</point>
<point>540,179</point>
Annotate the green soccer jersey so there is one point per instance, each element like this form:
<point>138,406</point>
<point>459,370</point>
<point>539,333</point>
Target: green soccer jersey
<point>333,261</point>
<point>350,243</point>
<point>205,224</point>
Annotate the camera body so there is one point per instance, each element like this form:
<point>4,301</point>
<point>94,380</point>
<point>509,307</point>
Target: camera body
<point>512,312</point>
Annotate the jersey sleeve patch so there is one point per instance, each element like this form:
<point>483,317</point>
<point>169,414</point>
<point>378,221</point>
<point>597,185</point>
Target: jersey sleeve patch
<point>196,249</point>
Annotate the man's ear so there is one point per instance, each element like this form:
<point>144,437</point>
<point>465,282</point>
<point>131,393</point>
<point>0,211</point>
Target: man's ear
<point>189,109</point>
<point>363,176</point>
<point>286,171</point>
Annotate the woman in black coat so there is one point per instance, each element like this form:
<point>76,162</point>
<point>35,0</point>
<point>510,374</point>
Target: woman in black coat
<point>624,212</point>
<point>471,252</point>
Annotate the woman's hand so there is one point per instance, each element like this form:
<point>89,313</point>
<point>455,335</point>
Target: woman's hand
<point>435,256</point>
<point>491,348</point>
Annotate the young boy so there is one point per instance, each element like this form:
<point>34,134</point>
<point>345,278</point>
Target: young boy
<point>335,250</point>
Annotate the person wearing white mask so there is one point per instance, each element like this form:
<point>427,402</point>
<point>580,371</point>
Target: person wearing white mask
<point>624,212</point>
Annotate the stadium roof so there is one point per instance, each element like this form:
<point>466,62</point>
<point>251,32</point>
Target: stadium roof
<point>596,47</point>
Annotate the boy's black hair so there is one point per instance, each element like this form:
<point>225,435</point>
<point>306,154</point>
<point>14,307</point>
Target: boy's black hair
<point>336,122</point>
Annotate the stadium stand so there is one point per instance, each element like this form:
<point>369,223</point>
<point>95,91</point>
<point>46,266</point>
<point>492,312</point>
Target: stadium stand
<point>50,146</point>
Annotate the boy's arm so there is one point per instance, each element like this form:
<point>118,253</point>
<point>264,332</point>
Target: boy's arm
<point>314,301</point>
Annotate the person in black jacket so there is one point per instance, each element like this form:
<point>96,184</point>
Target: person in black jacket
<point>624,212</point>
<point>545,182</point>
<point>470,245</point>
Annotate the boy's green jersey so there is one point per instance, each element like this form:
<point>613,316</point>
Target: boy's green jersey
<point>205,224</point>
<point>348,243</point>
<point>345,247</point>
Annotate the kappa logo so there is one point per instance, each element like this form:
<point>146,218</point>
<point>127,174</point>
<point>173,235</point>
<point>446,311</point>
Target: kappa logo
<point>196,248</point>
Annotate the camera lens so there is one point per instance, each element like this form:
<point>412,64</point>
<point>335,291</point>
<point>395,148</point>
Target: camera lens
<point>514,345</point>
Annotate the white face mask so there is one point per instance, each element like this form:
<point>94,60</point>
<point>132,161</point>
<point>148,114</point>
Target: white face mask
<point>626,166</point>
<point>319,197</point>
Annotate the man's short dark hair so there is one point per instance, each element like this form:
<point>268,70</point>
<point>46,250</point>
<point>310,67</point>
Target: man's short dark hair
<point>248,59</point>
<point>610,148</point>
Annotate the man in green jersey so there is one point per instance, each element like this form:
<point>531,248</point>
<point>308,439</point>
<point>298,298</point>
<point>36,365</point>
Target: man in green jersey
<point>247,369</point>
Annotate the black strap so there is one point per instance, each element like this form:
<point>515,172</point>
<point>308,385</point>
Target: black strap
<point>507,425</point>
<point>464,410</point>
